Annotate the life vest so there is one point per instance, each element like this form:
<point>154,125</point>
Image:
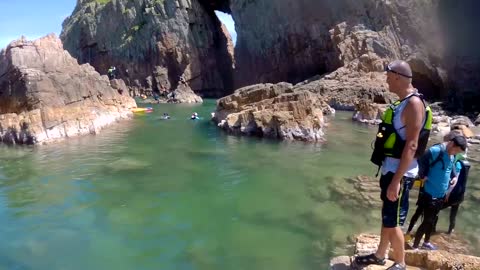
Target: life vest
<point>388,142</point>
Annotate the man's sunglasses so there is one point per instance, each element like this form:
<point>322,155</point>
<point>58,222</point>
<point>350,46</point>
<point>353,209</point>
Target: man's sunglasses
<point>389,69</point>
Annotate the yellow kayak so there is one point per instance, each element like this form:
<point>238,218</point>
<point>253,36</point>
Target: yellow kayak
<point>149,109</point>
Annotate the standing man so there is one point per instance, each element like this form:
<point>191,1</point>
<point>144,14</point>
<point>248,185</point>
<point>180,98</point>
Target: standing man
<point>440,166</point>
<point>402,137</point>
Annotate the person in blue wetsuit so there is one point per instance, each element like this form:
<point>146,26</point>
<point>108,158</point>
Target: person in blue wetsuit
<point>457,190</point>
<point>437,175</point>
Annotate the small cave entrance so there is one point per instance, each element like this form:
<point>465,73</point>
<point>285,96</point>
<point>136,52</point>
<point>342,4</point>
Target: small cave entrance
<point>431,91</point>
<point>224,42</point>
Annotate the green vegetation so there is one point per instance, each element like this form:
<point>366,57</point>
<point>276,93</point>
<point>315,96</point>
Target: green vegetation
<point>128,36</point>
<point>103,2</point>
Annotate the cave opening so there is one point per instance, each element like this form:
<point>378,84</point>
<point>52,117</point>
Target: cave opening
<point>224,40</point>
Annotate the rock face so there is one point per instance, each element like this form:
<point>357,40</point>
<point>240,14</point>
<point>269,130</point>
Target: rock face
<point>420,259</point>
<point>283,40</point>
<point>293,40</point>
<point>477,122</point>
<point>370,113</point>
<point>152,43</point>
<point>45,95</point>
<point>184,94</point>
<point>274,111</point>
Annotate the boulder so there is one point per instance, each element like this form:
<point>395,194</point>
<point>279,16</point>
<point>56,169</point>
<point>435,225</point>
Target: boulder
<point>46,95</point>
<point>368,112</point>
<point>184,94</point>
<point>119,85</point>
<point>468,133</point>
<point>477,122</point>
<point>461,120</point>
<point>274,111</point>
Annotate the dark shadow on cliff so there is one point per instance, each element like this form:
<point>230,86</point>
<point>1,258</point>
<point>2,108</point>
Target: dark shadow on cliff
<point>460,21</point>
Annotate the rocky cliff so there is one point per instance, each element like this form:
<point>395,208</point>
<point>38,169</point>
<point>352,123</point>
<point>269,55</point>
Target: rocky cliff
<point>154,44</point>
<point>46,95</point>
<point>282,40</point>
<point>289,40</point>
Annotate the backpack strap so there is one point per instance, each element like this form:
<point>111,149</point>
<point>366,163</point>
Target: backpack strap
<point>439,157</point>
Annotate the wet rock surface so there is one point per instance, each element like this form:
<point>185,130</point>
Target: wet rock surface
<point>46,95</point>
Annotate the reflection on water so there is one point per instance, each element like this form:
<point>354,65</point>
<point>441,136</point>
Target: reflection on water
<point>180,194</point>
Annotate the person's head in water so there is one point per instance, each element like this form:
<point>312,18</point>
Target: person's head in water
<point>399,76</point>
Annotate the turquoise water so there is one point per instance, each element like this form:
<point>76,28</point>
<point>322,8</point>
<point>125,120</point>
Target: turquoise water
<point>181,194</point>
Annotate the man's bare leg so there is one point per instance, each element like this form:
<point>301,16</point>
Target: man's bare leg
<point>398,244</point>
<point>385,236</point>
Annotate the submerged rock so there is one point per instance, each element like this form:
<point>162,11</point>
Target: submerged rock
<point>275,111</point>
<point>45,95</point>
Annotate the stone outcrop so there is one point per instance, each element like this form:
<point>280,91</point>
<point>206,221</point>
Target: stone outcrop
<point>46,95</point>
<point>477,121</point>
<point>152,43</point>
<point>415,259</point>
<point>184,94</point>
<point>275,111</point>
<point>368,112</point>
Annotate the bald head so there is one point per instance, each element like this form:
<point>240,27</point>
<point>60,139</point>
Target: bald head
<point>401,68</point>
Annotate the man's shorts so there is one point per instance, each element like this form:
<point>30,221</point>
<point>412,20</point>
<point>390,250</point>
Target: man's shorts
<point>394,213</point>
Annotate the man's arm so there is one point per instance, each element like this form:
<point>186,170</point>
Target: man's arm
<point>454,180</point>
<point>413,118</point>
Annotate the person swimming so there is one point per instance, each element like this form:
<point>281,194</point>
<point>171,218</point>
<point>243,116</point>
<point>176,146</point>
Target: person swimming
<point>165,116</point>
<point>195,116</point>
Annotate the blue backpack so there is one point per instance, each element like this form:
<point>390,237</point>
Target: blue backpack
<point>424,163</point>
<point>458,193</point>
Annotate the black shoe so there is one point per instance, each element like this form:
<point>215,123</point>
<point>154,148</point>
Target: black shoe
<point>397,266</point>
<point>369,259</point>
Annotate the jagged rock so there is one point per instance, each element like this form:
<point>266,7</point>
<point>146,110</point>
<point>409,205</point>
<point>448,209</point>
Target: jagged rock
<point>45,95</point>
<point>340,263</point>
<point>119,85</point>
<point>477,122</point>
<point>344,89</point>
<point>474,141</point>
<point>184,94</point>
<point>368,112</point>
<point>152,43</point>
<point>273,110</point>
<point>415,259</point>
<point>468,133</point>
<point>461,120</point>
